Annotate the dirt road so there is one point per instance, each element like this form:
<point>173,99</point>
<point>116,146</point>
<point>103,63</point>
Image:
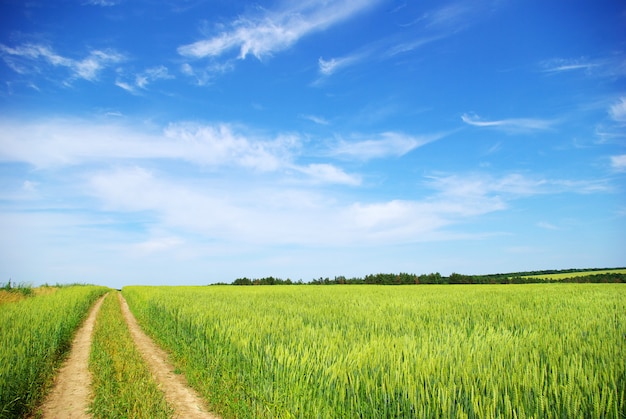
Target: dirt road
<point>184,400</point>
<point>71,395</point>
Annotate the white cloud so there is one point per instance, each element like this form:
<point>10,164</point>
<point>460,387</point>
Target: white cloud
<point>152,74</point>
<point>410,45</point>
<point>125,86</point>
<point>611,65</point>
<point>249,213</point>
<point>453,16</point>
<point>219,144</point>
<point>275,31</point>
<point>329,67</point>
<point>327,173</point>
<point>617,111</point>
<point>618,163</point>
<point>56,143</point>
<point>435,25</point>
<point>559,65</point>
<point>317,119</point>
<point>510,125</point>
<point>386,145</point>
<point>511,186</point>
<point>144,78</point>
<point>207,73</point>
<point>27,58</point>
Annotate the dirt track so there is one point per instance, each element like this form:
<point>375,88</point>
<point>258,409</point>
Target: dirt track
<point>184,400</point>
<point>71,395</point>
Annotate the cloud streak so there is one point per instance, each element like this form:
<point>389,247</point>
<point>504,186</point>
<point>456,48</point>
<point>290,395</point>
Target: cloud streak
<point>608,66</point>
<point>274,31</point>
<point>510,125</point>
<point>28,58</point>
<point>387,144</point>
<point>434,25</point>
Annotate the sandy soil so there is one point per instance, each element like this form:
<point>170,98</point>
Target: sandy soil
<point>70,395</point>
<point>184,400</point>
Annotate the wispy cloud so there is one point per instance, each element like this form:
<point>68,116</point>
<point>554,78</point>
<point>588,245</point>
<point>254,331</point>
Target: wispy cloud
<point>433,25</point>
<point>379,50</point>
<point>617,111</point>
<point>328,173</point>
<point>558,65</point>
<point>204,75</point>
<point>143,79</point>
<point>451,17</point>
<point>275,31</point>
<point>610,65</point>
<point>28,58</point>
<point>511,125</point>
<point>512,186</point>
<point>618,163</point>
<point>317,119</point>
<point>387,144</point>
<point>328,67</point>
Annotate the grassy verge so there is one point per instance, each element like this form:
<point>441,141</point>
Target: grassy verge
<point>123,386</point>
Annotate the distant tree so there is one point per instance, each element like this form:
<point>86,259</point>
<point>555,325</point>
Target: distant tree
<point>242,281</point>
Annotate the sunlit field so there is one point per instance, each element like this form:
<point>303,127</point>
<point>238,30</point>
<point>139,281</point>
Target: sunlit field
<point>35,335</point>
<point>541,350</point>
<point>562,275</point>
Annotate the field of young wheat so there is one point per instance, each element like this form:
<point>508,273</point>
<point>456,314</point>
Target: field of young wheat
<point>35,335</point>
<point>486,351</point>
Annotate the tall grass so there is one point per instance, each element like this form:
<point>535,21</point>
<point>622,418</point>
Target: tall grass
<point>35,334</point>
<point>123,385</point>
<point>542,351</point>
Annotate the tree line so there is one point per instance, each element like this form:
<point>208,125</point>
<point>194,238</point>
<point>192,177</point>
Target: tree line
<point>436,278</point>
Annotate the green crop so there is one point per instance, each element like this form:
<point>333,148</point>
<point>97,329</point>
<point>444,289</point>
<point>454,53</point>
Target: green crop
<point>524,351</point>
<point>35,334</point>
<point>563,275</point>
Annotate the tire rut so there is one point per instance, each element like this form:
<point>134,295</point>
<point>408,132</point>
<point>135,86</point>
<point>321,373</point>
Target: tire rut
<point>71,391</point>
<point>183,399</point>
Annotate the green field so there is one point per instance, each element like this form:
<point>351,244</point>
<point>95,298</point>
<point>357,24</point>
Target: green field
<point>562,275</point>
<point>484,351</point>
<point>35,335</point>
<point>438,351</point>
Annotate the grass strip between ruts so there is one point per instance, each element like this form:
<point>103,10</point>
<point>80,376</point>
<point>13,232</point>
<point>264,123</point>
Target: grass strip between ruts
<point>123,386</point>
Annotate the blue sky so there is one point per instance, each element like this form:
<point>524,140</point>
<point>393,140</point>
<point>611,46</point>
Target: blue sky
<point>190,141</point>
